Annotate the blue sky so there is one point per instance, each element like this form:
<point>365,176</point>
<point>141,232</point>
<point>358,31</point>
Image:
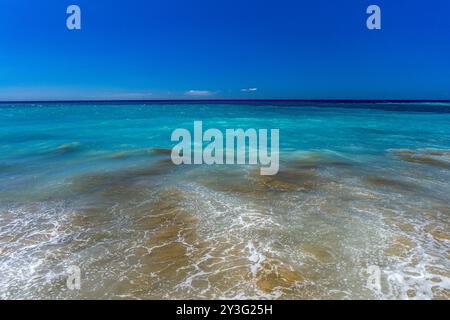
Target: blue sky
<point>219,49</point>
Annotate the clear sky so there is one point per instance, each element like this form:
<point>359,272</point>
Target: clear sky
<point>224,49</point>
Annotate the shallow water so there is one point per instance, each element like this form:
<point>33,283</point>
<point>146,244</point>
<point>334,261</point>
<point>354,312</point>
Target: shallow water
<point>92,186</point>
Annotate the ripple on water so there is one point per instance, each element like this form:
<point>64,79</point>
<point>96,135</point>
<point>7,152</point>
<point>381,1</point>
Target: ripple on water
<point>432,157</point>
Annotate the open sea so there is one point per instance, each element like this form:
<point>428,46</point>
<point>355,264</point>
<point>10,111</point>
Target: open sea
<point>363,190</point>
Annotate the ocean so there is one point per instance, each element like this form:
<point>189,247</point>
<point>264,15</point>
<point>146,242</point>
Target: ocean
<point>363,190</point>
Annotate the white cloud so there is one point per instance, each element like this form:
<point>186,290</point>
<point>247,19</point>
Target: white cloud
<point>249,89</point>
<point>199,93</point>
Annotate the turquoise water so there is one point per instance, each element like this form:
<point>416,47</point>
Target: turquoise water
<point>92,185</point>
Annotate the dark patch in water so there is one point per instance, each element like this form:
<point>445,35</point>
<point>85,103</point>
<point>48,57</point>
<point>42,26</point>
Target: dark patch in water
<point>68,147</point>
<point>63,149</point>
<point>319,160</point>
<point>391,183</point>
<point>140,152</point>
<point>322,164</point>
<point>432,157</point>
<point>120,184</point>
<point>254,184</point>
<point>293,176</point>
<point>161,151</point>
<point>404,152</point>
<point>437,152</point>
<point>427,160</point>
<point>289,179</point>
<point>10,168</point>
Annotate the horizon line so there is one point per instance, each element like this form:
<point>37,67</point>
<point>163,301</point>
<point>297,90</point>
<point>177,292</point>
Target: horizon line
<point>217,100</point>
